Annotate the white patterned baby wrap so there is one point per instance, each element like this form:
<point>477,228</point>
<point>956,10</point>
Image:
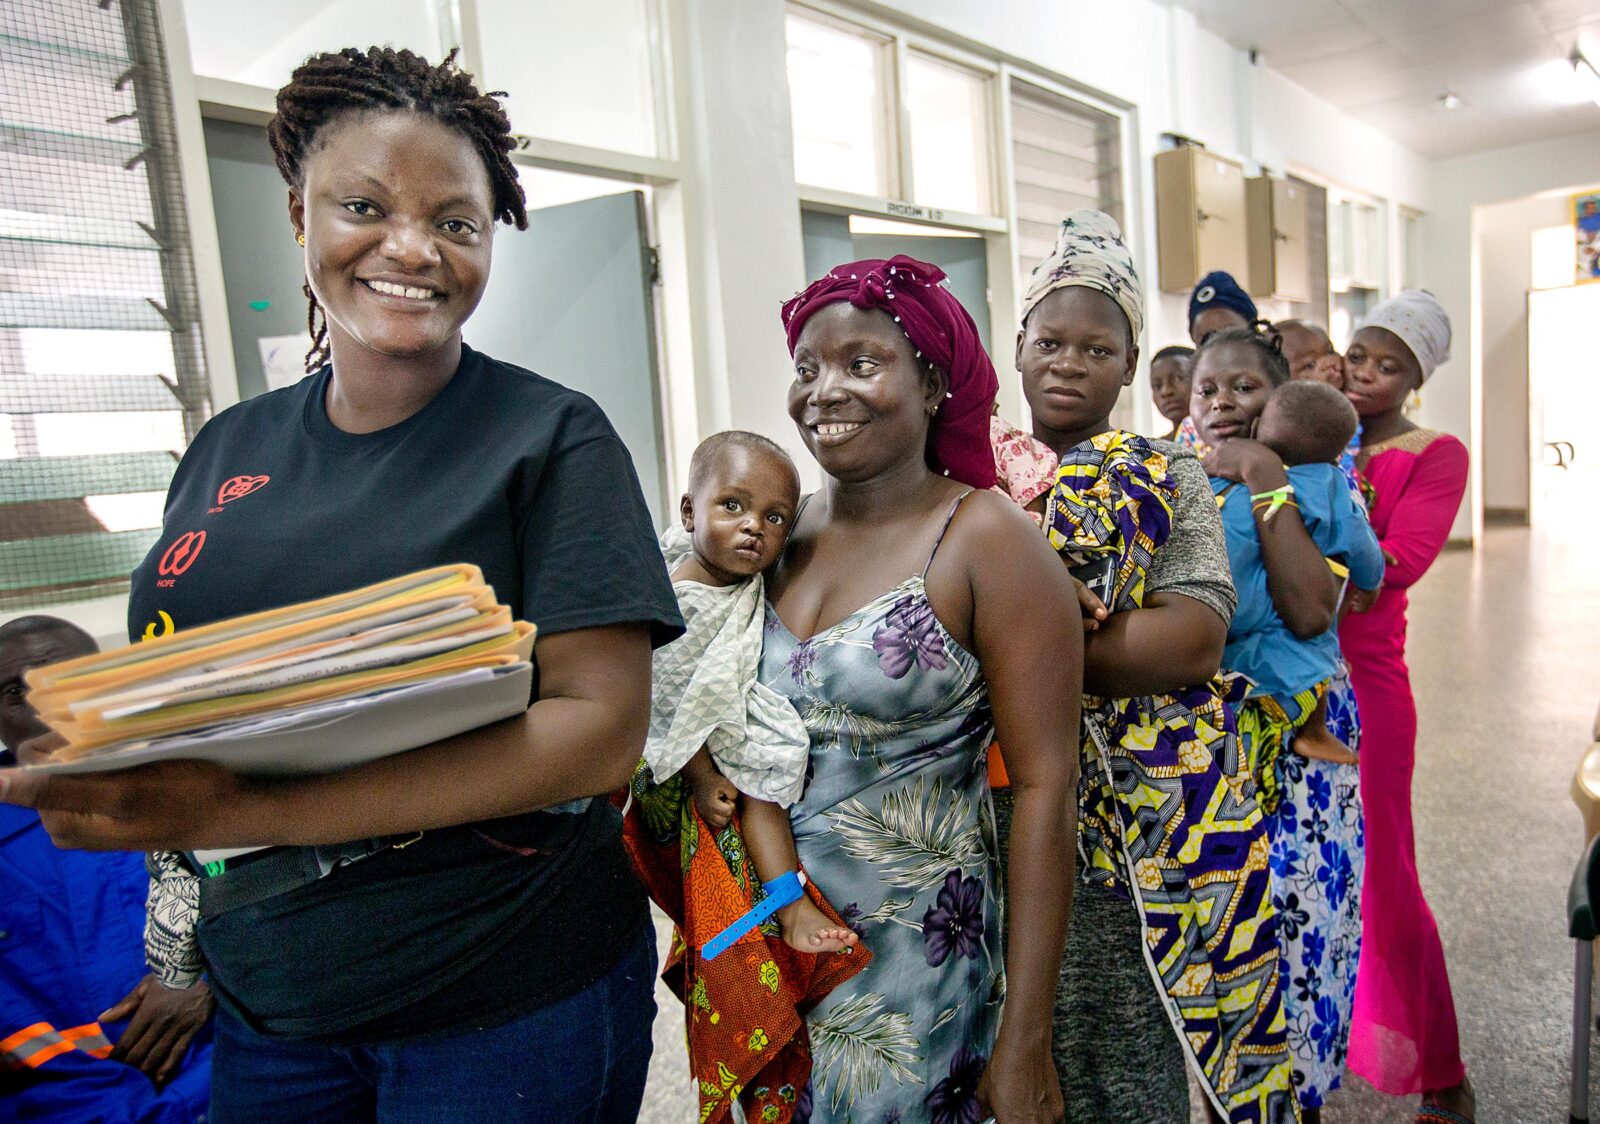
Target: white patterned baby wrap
<point>704,692</point>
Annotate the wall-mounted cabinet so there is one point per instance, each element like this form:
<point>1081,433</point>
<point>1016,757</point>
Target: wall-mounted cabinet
<point>1279,258</point>
<point>1200,217</point>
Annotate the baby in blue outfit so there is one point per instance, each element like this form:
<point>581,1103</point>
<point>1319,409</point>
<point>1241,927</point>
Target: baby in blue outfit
<point>1308,425</point>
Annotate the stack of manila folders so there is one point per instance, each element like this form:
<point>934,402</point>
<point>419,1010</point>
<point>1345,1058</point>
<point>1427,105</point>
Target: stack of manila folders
<point>308,688</point>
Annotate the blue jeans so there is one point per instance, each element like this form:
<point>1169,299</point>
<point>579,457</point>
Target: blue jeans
<point>581,1060</point>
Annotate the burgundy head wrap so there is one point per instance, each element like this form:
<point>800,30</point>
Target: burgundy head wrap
<point>914,293</point>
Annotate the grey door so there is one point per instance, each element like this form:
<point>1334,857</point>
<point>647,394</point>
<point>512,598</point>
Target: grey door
<point>570,297</point>
<point>262,268</point>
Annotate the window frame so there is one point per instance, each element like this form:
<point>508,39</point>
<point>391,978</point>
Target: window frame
<point>105,616</point>
<point>197,97</point>
<point>999,230</point>
<point>899,201</point>
<point>461,27</point>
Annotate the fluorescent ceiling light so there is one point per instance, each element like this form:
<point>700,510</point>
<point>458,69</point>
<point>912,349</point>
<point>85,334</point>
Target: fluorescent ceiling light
<point>864,224</point>
<point>1588,77</point>
<point>1558,82</point>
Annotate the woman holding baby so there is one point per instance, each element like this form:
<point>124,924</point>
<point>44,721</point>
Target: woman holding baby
<point>1289,514</point>
<point>905,650</point>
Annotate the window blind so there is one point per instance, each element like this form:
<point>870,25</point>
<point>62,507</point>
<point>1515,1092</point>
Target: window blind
<point>1065,155</point>
<point>102,375</point>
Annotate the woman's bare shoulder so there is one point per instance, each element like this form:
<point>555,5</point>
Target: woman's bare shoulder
<point>990,529</point>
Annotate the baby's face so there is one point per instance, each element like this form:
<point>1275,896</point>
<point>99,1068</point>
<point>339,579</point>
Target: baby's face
<point>744,511</point>
<point>1311,356</point>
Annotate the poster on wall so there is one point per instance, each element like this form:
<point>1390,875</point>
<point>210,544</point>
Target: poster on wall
<point>1586,221</point>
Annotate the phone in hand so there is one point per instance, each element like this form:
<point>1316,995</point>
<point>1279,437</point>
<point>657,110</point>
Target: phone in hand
<point>1099,574</point>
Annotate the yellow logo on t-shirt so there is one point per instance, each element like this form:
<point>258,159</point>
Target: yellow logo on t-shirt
<point>166,627</point>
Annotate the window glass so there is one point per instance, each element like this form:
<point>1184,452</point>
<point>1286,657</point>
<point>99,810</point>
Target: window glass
<point>1411,247</point>
<point>103,377</point>
<point>950,158</point>
<point>580,73</point>
<point>839,105</point>
<point>261,44</point>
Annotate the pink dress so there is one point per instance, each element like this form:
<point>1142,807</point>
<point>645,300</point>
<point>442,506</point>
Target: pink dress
<point>1404,1035</point>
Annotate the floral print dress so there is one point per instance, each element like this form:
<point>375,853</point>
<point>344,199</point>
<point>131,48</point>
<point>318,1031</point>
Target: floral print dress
<point>1318,855</point>
<point>896,828</point>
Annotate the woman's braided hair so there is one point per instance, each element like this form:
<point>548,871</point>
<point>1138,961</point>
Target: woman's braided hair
<point>326,86</point>
<point>1265,341</point>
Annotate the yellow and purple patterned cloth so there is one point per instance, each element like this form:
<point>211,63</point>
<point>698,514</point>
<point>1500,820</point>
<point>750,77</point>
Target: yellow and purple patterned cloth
<point>1168,811</point>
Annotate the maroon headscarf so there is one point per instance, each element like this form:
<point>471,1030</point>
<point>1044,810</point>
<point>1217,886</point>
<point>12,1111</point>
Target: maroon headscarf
<point>914,293</point>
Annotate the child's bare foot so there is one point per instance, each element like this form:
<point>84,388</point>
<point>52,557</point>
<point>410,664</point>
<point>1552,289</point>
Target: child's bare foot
<point>807,928</point>
<point>1317,742</point>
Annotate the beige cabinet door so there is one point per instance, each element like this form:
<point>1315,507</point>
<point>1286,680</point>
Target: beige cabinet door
<point>1220,214</point>
<point>1291,253</point>
<point>1200,218</point>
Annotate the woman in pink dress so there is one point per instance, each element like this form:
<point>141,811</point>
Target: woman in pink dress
<point>1404,1035</point>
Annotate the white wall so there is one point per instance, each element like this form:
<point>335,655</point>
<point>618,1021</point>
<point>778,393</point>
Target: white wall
<point>738,216</point>
<point>1453,269</point>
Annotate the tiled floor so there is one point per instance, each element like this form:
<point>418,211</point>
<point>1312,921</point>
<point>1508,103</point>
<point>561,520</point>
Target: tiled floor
<point>1505,652</point>
<point>1505,655</point>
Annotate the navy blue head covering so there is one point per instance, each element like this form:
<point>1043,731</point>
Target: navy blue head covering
<point>1220,290</point>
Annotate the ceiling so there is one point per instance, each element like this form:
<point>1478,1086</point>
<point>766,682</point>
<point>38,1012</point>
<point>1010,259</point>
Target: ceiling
<point>1388,62</point>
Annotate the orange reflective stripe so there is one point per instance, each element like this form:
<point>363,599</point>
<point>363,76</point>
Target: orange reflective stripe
<point>9,1044</point>
<point>90,1038</point>
<point>32,1046</point>
<point>54,1050</point>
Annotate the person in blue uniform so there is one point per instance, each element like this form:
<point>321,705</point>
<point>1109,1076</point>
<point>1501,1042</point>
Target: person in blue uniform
<point>85,1033</point>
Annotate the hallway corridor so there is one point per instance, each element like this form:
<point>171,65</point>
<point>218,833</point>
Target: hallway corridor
<point>1505,656</point>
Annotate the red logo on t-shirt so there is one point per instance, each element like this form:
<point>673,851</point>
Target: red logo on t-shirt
<point>239,487</point>
<point>181,554</point>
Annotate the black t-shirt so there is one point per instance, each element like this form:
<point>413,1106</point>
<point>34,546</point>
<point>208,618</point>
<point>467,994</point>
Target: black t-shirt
<point>504,469</point>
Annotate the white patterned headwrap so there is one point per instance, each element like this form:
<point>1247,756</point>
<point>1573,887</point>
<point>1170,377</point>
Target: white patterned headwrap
<point>1417,317</point>
<point>1090,252</point>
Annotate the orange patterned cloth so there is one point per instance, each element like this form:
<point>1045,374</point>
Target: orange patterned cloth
<point>744,1010</point>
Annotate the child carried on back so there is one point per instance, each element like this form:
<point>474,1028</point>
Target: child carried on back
<point>724,759</point>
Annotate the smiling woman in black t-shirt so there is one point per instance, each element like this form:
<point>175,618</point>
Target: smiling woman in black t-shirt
<point>487,956</point>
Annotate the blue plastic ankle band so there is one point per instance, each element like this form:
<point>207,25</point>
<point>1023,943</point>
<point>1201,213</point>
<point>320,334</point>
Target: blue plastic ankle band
<point>781,891</point>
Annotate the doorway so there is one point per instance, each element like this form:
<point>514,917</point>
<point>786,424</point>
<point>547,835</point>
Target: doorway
<point>1563,408</point>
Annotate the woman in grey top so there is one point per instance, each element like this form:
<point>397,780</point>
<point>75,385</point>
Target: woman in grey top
<point>1175,887</point>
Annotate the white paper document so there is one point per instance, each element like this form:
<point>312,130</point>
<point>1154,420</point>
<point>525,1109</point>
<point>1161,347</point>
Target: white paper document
<point>328,736</point>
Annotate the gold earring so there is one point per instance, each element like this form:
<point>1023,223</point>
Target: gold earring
<point>300,238</point>
<point>1414,403</point>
